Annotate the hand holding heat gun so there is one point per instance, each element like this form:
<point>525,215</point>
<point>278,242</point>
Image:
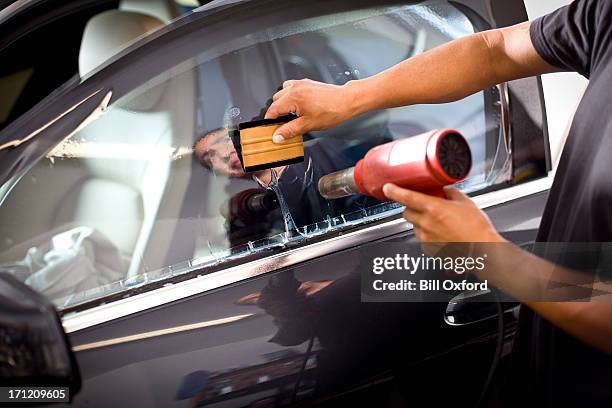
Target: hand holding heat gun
<point>424,163</point>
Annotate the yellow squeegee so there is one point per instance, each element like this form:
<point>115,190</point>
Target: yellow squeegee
<point>257,151</point>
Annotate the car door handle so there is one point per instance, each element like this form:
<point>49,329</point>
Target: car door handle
<point>471,307</point>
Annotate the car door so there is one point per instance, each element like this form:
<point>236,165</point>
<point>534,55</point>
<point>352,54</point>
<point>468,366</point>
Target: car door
<point>172,295</point>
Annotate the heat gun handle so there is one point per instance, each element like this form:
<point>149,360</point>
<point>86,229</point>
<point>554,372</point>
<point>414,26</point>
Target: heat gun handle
<point>436,193</point>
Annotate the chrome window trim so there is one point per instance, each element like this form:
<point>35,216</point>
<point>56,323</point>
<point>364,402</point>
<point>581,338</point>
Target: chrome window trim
<point>76,321</point>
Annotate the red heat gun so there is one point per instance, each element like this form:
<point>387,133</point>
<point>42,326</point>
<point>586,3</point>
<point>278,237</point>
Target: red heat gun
<point>424,163</point>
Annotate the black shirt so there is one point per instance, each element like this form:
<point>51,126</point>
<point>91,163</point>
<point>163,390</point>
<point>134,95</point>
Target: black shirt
<point>563,371</point>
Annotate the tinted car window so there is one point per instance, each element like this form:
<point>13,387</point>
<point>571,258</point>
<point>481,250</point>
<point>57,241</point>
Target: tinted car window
<point>154,188</point>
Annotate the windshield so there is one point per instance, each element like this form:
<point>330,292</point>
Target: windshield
<point>155,188</point>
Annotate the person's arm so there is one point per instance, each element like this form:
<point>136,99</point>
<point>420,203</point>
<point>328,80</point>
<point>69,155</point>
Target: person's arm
<point>444,74</point>
<point>518,273</point>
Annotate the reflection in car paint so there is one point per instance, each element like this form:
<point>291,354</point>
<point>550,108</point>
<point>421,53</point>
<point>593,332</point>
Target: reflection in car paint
<point>273,375</point>
<point>161,332</point>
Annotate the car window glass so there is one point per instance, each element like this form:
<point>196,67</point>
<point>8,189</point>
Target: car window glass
<point>154,188</point>
<point>11,86</point>
<point>26,74</point>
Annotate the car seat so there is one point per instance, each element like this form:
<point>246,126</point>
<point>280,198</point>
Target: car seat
<point>119,189</point>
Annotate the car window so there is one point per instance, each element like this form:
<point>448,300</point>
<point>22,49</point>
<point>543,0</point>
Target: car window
<point>26,74</point>
<point>154,188</point>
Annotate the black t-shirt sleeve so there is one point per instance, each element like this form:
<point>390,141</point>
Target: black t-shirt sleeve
<point>567,37</point>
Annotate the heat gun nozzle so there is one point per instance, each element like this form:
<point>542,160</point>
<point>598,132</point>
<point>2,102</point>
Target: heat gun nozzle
<point>338,184</point>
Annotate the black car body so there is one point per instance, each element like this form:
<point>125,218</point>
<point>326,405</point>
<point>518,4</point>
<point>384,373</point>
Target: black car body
<point>175,323</point>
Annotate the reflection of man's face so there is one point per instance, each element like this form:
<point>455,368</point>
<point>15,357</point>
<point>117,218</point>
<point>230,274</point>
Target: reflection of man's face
<point>215,150</point>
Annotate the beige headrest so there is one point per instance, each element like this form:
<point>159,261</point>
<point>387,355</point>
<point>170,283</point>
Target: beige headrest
<point>110,32</point>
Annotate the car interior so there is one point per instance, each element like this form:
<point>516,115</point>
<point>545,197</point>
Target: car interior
<point>26,78</point>
<point>119,198</point>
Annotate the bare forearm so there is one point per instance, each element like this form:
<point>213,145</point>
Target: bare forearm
<point>578,307</point>
<point>452,71</point>
<point>527,277</point>
<point>444,74</point>
<point>590,321</point>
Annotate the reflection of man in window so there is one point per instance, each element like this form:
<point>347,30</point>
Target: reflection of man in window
<point>216,152</point>
<point>297,182</point>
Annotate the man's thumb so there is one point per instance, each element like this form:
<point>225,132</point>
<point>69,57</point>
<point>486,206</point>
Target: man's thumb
<point>290,129</point>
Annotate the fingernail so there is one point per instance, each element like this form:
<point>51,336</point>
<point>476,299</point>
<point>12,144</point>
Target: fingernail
<point>387,189</point>
<point>278,138</point>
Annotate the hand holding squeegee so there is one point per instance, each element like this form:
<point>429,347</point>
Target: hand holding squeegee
<point>256,150</point>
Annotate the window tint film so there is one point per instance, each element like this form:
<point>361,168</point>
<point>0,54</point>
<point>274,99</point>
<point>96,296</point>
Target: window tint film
<point>154,188</point>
